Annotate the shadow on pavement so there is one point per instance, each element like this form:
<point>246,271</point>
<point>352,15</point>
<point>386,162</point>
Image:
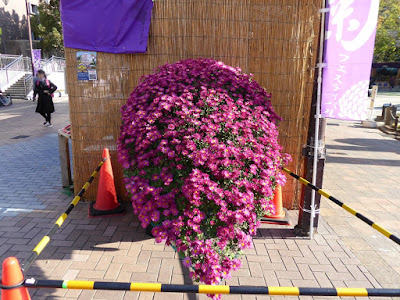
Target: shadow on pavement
<point>78,237</point>
<point>371,145</point>
<point>284,232</point>
<point>363,161</point>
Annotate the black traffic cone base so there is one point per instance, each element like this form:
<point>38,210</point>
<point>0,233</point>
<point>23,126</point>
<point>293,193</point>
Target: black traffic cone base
<point>282,221</point>
<point>94,213</point>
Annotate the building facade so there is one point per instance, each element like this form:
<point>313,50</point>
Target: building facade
<point>19,7</point>
<point>14,26</point>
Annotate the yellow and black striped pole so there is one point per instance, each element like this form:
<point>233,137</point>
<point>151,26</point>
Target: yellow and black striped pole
<point>377,227</point>
<point>46,239</point>
<point>210,289</point>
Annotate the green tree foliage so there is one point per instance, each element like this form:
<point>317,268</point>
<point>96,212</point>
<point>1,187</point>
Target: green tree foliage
<point>387,42</point>
<point>47,26</point>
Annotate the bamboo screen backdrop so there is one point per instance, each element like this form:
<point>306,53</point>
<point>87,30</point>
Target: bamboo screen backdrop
<point>276,40</point>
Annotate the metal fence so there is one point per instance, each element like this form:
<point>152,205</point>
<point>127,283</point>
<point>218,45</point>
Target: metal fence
<point>13,67</point>
<point>6,59</point>
<point>54,64</point>
<point>12,71</point>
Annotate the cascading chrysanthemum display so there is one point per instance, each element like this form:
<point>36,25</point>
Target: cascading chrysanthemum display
<point>199,144</point>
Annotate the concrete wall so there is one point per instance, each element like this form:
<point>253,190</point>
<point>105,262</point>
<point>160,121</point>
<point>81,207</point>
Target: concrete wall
<point>58,79</point>
<point>18,47</point>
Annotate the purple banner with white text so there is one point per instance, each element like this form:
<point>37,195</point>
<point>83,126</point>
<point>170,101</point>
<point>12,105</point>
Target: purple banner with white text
<point>36,59</point>
<point>349,47</point>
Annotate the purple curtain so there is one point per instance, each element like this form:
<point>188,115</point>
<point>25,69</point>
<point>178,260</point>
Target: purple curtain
<point>349,48</point>
<point>116,26</point>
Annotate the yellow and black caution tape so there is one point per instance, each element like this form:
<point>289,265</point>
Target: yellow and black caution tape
<point>377,227</point>
<point>46,239</point>
<point>210,289</point>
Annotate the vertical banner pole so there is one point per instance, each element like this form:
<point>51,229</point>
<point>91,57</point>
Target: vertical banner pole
<point>371,105</point>
<point>28,17</point>
<point>317,117</point>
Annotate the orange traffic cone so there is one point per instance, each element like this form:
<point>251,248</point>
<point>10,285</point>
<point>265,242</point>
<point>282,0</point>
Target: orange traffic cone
<point>106,203</point>
<point>12,275</point>
<point>281,215</point>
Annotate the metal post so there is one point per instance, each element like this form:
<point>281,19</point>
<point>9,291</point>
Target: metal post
<point>317,118</point>
<point>315,148</point>
<point>371,105</point>
<point>28,17</point>
<point>303,226</point>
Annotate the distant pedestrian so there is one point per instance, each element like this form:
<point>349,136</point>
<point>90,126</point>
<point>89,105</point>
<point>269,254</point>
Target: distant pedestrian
<point>35,80</point>
<point>45,89</point>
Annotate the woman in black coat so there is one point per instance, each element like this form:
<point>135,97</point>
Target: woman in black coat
<point>45,89</point>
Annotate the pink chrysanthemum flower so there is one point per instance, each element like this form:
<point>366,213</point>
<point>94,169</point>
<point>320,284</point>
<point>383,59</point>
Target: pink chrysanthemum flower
<point>199,144</point>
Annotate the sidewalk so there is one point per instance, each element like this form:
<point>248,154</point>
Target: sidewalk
<point>345,253</point>
<point>20,122</point>
<point>363,171</point>
<point>29,157</point>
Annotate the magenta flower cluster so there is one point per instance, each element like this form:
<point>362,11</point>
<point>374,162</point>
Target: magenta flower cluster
<point>199,145</point>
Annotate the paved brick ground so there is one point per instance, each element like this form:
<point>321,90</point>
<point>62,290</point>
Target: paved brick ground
<point>21,119</point>
<point>117,249</point>
<point>29,157</point>
<point>363,170</point>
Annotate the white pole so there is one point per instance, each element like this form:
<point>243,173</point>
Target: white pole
<point>317,118</point>
<point>371,105</point>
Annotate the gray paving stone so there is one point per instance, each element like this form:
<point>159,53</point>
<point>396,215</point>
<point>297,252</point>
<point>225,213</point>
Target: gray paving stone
<point>373,184</point>
<point>344,253</point>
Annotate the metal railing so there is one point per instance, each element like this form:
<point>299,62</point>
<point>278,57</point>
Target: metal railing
<point>54,64</point>
<point>13,67</point>
<point>6,59</point>
<point>28,85</point>
<point>12,71</point>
